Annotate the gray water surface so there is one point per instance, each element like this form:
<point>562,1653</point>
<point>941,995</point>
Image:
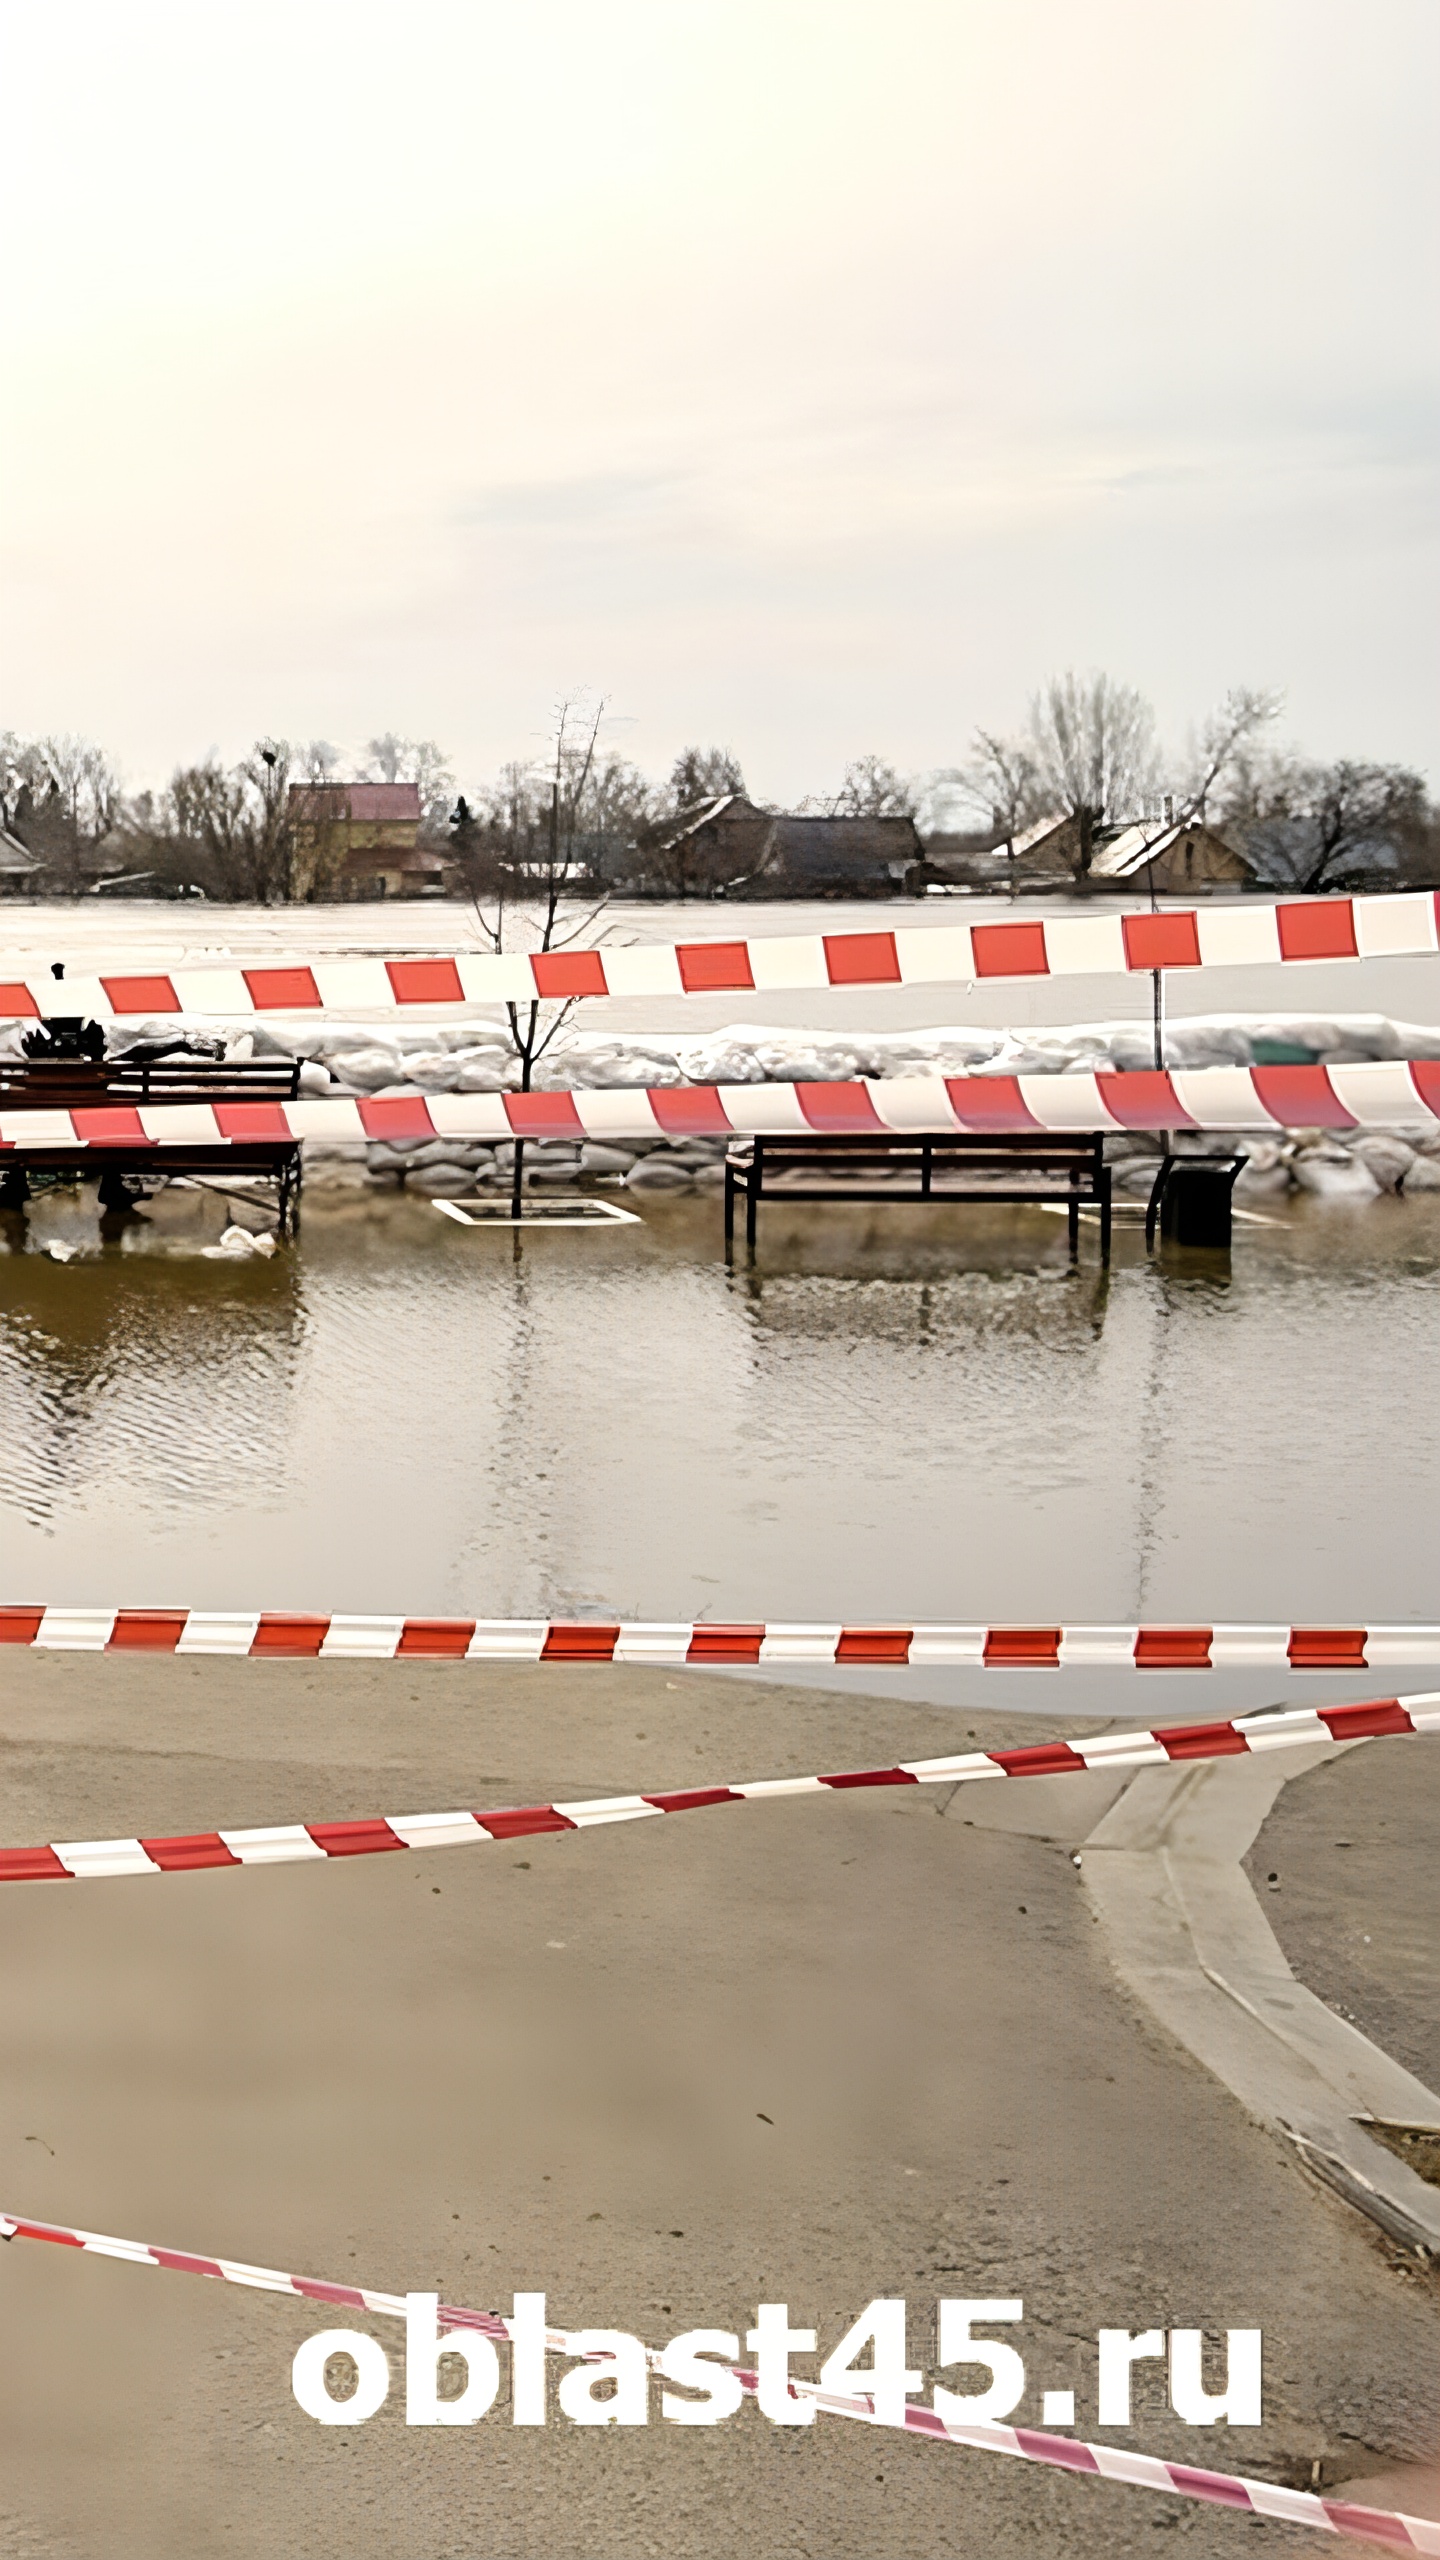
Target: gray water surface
<point>897,1415</point>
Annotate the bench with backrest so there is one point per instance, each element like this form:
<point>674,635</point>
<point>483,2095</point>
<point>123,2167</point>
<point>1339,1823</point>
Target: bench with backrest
<point>80,1083</point>
<point>1069,1168</point>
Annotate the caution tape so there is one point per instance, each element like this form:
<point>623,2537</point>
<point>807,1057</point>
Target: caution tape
<point>1377,1094</point>
<point>282,1844</point>
<point>1255,934</point>
<point>277,1635</point>
<point>1064,2453</point>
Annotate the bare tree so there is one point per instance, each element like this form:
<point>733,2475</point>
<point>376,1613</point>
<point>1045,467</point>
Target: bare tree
<point>614,813</point>
<point>1003,778</point>
<point>1225,740</point>
<point>62,798</point>
<point>533,860</point>
<point>1318,827</point>
<point>387,754</point>
<point>703,773</point>
<point>246,835</point>
<point>873,789</point>
<point>419,760</point>
<point>1093,742</point>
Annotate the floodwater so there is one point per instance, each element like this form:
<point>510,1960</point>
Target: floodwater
<point>141,933</point>
<point>896,1414</point>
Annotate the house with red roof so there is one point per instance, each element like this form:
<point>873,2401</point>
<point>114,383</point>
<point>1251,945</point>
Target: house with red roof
<point>363,838</point>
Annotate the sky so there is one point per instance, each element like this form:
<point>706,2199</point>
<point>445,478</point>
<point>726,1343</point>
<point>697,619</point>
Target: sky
<point>809,377</point>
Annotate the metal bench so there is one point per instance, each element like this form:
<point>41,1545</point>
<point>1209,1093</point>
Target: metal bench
<point>1070,1169</point>
<point>72,1078</point>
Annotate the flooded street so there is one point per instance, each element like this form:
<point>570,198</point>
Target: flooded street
<point>896,1414</point>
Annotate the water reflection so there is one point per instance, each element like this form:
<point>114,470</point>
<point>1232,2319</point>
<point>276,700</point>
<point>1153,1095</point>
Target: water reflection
<point>971,1308</point>
<point>401,1414</point>
<point>171,1382</point>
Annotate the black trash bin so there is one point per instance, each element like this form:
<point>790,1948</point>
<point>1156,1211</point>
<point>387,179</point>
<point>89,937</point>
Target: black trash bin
<point>1192,1200</point>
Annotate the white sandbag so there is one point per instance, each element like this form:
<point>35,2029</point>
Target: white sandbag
<point>598,1159</point>
<point>1424,1175</point>
<point>728,1057</point>
<point>1327,1180</point>
<point>1389,1159</point>
<point>657,1173</point>
<point>368,1070</point>
<point>430,1070</point>
<point>493,1073</point>
<point>441,1181</point>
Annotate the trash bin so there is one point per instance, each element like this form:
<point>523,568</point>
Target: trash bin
<point>1192,1196</point>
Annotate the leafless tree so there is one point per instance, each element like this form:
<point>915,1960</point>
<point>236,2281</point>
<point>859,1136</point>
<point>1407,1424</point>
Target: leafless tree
<point>387,754</point>
<point>1003,778</point>
<point>244,835</point>
<point>1226,740</point>
<point>62,799</point>
<point>1093,741</point>
<point>873,789</point>
<point>1318,827</point>
<point>530,865</point>
<point>419,760</point>
<point>703,773</point>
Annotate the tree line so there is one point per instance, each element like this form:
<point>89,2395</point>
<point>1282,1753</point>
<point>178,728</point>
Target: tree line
<point>1087,751</point>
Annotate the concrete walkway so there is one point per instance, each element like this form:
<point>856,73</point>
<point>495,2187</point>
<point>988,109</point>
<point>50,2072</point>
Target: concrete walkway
<point>815,2050</point>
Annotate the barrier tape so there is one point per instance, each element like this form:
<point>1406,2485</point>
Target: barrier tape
<point>276,1845</point>
<point>1377,1094</point>
<point>275,1635</point>
<point>1222,937</point>
<point>1064,2453</point>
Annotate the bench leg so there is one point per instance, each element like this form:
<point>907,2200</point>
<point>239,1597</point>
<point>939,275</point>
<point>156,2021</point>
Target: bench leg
<point>729,1209</point>
<point>1105,1215</point>
<point>752,1202</point>
<point>1073,1223</point>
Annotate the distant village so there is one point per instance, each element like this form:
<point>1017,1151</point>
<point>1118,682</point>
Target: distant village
<point>1078,804</point>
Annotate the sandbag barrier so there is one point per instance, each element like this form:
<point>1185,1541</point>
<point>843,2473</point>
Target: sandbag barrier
<point>277,1635</point>
<point>1383,1094</point>
<point>1223,937</point>
<point>1384,2526</point>
<point>283,1844</point>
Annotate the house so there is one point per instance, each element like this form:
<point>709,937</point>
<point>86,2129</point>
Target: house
<point>19,870</point>
<point>1038,856</point>
<point>363,838</point>
<point>1179,859</point>
<point>843,858</point>
<point>728,844</point>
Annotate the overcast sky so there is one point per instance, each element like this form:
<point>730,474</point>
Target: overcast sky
<point>808,376</point>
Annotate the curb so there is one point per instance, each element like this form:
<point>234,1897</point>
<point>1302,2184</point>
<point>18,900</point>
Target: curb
<point>1188,1936</point>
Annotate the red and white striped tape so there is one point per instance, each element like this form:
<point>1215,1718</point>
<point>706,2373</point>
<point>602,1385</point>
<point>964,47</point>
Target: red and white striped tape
<point>1378,1094</point>
<point>282,1844</point>
<point>1064,2453</point>
<point>1078,945</point>
<point>276,1635</point>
